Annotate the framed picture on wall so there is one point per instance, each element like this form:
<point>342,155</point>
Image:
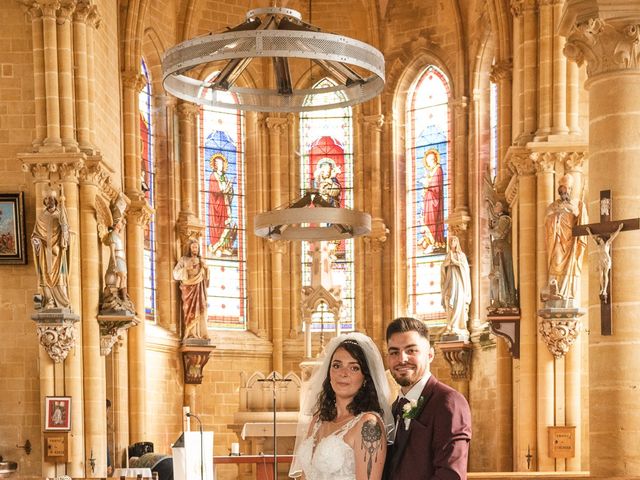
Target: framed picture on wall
<point>12,233</point>
<point>57,414</point>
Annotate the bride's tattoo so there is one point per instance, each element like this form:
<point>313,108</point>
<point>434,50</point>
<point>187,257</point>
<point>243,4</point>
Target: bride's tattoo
<point>371,442</point>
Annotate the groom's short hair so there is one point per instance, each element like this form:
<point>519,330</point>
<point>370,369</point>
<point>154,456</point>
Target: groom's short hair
<point>407,324</point>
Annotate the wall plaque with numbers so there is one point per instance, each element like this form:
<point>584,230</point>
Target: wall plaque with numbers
<point>56,447</point>
<point>562,442</point>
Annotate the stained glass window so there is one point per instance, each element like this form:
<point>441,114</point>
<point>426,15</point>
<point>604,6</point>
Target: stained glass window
<point>222,208</point>
<point>148,186</point>
<point>428,168</point>
<point>326,142</point>
<point>493,129</point>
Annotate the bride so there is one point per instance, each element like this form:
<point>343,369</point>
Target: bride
<point>345,418</point>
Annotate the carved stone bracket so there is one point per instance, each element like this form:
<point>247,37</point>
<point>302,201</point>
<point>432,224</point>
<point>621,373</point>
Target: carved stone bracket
<point>189,227</point>
<point>505,323</point>
<point>194,358</point>
<point>377,239</point>
<point>53,167</point>
<point>140,211</point>
<point>458,356</point>
<point>458,222</point>
<point>559,328</point>
<point>111,326</point>
<point>56,331</point>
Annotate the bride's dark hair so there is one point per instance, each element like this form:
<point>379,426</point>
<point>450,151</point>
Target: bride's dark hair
<point>365,400</point>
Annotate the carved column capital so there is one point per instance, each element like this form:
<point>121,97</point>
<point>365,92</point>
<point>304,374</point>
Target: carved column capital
<point>517,7</point>
<point>373,121</point>
<point>377,239</point>
<point>66,11</point>
<point>140,211</point>
<point>544,162</point>
<point>574,161</point>
<point>459,104</point>
<point>278,247</point>
<point>53,167</point>
<point>522,164</point>
<point>134,80</point>
<point>187,111</point>
<point>94,18</point>
<point>48,7</point>
<point>189,227</point>
<point>605,46</point>
<point>276,124</point>
<point>82,11</point>
<point>501,71</point>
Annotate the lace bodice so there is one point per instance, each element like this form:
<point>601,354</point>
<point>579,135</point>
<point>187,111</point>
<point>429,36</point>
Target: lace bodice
<point>332,458</point>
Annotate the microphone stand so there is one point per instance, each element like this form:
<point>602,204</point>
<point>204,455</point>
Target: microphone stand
<point>273,379</point>
<point>188,414</point>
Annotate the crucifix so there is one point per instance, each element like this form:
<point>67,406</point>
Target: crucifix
<point>603,234</point>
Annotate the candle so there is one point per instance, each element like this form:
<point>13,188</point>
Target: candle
<point>235,449</point>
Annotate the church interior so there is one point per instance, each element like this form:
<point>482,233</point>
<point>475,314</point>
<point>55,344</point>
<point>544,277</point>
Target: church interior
<point>136,286</point>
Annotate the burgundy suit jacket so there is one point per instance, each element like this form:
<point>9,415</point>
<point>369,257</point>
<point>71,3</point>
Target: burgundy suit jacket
<point>437,445</point>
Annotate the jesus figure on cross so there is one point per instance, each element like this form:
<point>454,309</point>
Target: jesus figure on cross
<point>604,258</point>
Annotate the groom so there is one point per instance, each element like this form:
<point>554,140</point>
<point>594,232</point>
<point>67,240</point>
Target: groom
<point>433,430</point>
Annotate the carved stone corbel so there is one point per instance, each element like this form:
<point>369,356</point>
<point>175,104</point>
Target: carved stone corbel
<point>458,356</point>
<point>56,331</point>
<point>559,328</point>
<point>111,326</point>
<point>194,358</point>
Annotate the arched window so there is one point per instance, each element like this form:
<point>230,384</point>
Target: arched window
<point>493,129</point>
<point>148,186</point>
<point>222,208</point>
<point>326,143</point>
<point>427,175</point>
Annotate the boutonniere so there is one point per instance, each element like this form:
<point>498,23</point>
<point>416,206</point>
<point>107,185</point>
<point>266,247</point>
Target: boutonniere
<point>412,410</point>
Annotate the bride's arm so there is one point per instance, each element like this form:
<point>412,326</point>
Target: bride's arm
<point>369,447</point>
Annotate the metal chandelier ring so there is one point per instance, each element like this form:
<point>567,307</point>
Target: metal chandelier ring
<point>235,45</point>
<point>312,224</point>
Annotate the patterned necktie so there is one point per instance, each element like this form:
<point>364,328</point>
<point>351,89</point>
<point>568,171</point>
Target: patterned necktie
<point>401,431</point>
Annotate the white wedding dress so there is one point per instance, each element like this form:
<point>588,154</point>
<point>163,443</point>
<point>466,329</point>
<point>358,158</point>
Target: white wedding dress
<point>331,458</point>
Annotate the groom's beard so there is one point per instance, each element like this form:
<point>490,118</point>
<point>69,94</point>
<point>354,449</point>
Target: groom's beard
<point>406,374</point>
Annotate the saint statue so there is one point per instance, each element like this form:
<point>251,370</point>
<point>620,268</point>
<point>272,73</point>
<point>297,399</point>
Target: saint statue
<point>456,288</point>
<point>193,274</point>
<point>564,251</point>
<point>111,222</point>
<point>222,231</point>
<point>502,290</point>
<point>432,204</point>
<point>50,241</point>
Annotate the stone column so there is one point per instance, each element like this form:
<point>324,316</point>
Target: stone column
<point>501,74</point>
<point>573,99</point>
<point>559,119</point>
<point>529,66</point>
<point>607,38</point>
<point>545,69</point>
<point>49,8</point>
<point>276,127</point>
<point>525,402</point>
<point>66,79</point>
<point>95,421</point>
<point>38,74</point>
<point>517,124</point>
<point>81,76</point>
<point>374,243</point>
<point>93,22</point>
<point>459,219</point>
<point>69,175</point>
<point>545,163</point>
<point>187,113</point>
<point>138,216</point>
<point>504,408</point>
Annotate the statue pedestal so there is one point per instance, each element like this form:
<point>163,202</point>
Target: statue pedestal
<point>457,353</point>
<point>111,324</point>
<point>505,323</point>
<point>55,331</point>
<point>195,355</point>
<point>559,328</point>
